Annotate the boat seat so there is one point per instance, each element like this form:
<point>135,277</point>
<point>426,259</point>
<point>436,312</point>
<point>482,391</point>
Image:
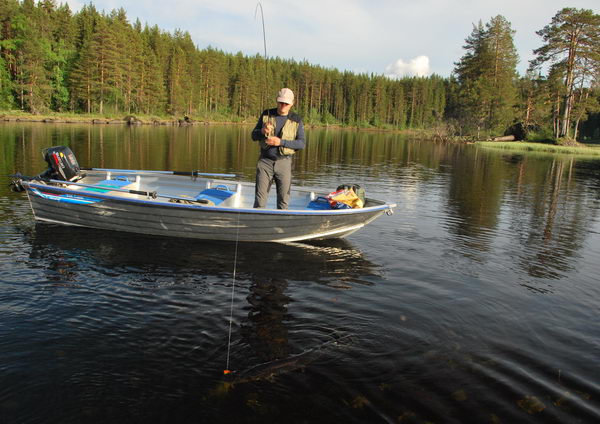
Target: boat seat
<point>115,182</point>
<point>216,195</point>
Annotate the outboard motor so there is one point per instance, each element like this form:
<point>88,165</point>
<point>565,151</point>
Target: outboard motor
<point>62,162</point>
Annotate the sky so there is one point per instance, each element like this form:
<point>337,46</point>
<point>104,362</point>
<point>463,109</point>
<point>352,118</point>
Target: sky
<point>391,37</point>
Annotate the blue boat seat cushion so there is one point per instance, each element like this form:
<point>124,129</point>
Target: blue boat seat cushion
<point>116,182</point>
<point>216,195</point>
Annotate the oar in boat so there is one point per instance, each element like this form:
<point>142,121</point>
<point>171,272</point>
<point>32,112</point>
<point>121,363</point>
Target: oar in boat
<point>190,173</point>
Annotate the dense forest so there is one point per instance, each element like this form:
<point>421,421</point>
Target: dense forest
<point>54,60</point>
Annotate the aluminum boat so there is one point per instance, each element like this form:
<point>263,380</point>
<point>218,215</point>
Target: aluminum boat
<point>196,205</point>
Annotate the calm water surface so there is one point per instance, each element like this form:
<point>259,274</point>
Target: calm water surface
<point>477,301</point>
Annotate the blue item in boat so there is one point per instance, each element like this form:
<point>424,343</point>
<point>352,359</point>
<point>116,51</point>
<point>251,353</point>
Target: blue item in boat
<point>216,195</point>
<point>117,182</point>
<point>340,205</point>
<point>320,203</point>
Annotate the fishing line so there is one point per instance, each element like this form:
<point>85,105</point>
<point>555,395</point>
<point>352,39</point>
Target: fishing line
<point>237,238</point>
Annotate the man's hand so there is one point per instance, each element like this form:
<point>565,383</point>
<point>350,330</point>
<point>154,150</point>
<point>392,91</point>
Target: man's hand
<point>273,141</point>
<point>267,129</point>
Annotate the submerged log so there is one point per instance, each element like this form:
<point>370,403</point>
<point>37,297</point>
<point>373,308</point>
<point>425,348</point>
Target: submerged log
<point>132,120</point>
<point>504,138</point>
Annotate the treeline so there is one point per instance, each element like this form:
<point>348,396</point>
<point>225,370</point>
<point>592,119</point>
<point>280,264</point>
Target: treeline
<point>94,62</point>
<point>555,98</point>
<point>91,62</point>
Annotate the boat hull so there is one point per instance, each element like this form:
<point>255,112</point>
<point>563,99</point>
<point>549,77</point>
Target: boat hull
<point>147,216</point>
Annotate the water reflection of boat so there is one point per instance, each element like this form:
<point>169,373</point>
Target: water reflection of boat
<point>332,262</point>
<point>265,271</point>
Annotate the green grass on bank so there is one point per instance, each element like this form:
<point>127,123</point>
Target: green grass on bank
<point>586,150</point>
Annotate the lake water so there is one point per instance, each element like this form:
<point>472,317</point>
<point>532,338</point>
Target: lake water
<point>477,301</point>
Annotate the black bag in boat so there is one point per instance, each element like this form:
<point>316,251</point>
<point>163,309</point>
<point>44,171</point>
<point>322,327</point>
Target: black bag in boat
<point>62,162</point>
<point>358,190</point>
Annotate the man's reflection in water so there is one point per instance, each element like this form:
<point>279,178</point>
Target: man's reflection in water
<point>266,329</point>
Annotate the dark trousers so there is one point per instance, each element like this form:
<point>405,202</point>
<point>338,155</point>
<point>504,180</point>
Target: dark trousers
<point>267,171</point>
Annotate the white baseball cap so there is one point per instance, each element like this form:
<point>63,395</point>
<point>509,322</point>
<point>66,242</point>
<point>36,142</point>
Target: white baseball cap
<point>285,95</point>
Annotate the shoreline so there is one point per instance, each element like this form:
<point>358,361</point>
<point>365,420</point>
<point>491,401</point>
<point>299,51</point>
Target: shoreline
<point>96,120</point>
<point>430,135</point>
<point>171,121</point>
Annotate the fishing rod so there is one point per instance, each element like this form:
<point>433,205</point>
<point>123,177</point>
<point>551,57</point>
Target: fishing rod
<point>263,28</point>
<point>259,5</point>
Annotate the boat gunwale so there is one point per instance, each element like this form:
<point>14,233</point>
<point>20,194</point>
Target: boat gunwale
<point>199,207</point>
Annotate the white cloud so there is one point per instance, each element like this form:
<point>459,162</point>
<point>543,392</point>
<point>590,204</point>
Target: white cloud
<point>417,67</point>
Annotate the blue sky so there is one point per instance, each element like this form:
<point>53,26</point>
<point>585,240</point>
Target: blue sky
<point>395,37</point>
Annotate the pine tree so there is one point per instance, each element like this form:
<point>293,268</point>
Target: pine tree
<point>124,51</point>
<point>152,90</point>
<point>535,102</point>
<point>32,79</point>
<point>12,22</point>
<point>571,44</point>
<point>154,95</point>
<point>83,79</point>
<point>469,74</point>
<point>103,51</point>
<point>61,36</point>
<point>398,115</point>
<point>179,83</point>
<point>96,71</point>
<point>85,24</point>
<point>486,75</point>
<point>6,87</point>
<point>502,76</point>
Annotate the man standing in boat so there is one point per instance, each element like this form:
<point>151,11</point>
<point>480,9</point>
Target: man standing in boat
<point>280,133</point>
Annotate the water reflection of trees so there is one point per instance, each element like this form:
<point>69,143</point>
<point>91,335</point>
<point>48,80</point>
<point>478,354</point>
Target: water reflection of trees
<point>214,148</point>
<point>474,199</point>
<point>548,210</point>
<point>559,214</point>
<point>534,201</point>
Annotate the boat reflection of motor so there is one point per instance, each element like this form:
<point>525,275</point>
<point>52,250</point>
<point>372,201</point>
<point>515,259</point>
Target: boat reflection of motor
<point>333,262</point>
